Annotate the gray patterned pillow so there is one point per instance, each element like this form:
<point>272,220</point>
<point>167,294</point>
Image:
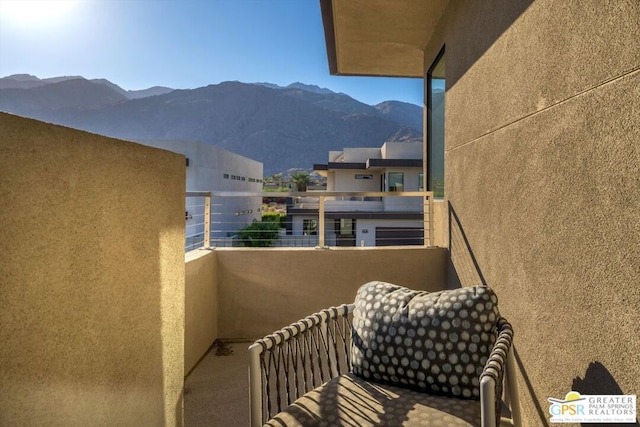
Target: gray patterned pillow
<point>435,342</point>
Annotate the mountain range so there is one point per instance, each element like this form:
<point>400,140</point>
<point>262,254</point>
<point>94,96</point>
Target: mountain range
<point>282,127</point>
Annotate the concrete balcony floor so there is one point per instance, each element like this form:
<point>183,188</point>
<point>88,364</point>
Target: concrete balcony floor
<point>217,389</point>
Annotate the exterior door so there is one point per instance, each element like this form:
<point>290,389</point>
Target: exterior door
<point>345,232</point>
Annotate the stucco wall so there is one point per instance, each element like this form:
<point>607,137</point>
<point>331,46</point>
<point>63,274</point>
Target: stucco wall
<point>360,154</point>
<point>201,306</point>
<point>401,150</point>
<point>92,279</point>
<point>543,176</point>
<point>262,290</point>
<point>345,180</point>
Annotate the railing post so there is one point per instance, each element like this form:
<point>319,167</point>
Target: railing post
<point>321,221</point>
<point>207,221</point>
<point>255,386</point>
<point>431,207</point>
<point>425,220</point>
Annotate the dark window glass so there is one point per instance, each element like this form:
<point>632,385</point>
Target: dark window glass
<point>310,227</point>
<point>436,86</point>
<point>396,181</point>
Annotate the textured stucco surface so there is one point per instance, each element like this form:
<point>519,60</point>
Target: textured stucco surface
<point>201,305</point>
<point>262,290</point>
<point>440,224</point>
<point>508,62</point>
<point>92,279</point>
<point>543,175</point>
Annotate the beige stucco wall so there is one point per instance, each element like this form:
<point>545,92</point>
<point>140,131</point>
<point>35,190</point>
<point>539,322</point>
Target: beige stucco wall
<point>262,290</point>
<point>201,306</point>
<point>543,173</point>
<point>92,279</point>
<point>440,223</point>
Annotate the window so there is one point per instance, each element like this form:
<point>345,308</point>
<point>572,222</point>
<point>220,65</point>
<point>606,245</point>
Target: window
<point>310,227</point>
<point>396,181</point>
<point>436,88</point>
<point>345,226</point>
<point>363,176</point>
<point>226,176</point>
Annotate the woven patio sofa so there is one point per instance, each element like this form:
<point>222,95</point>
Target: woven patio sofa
<point>395,357</point>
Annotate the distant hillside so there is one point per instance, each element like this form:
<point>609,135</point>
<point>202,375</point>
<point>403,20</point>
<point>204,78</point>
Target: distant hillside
<point>27,81</point>
<point>407,114</point>
<point>47,101</point>
<point>283,127</point>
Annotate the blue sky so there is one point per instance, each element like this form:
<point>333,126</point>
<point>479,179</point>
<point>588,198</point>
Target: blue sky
<point>181,44</point>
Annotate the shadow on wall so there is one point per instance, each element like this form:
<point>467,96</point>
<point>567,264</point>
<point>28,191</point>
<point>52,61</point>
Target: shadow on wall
<point>598,380</point>
<point>481,34</point>
<point>462,264</point>
<point>464,270</point>
<point>542,413</point>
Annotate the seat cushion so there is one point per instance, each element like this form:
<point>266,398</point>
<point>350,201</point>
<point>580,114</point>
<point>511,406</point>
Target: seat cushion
<point>435,342</point>
<point>349,400</point>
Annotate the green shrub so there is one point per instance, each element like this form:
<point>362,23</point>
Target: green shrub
<point>259,234</point>
<point>280,218</point>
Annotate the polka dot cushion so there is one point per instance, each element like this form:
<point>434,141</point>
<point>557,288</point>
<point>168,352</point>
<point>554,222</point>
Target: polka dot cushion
<point>435,342</point>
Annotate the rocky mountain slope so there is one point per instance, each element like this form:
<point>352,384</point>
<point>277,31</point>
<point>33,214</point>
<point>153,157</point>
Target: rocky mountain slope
<point>283,127</point>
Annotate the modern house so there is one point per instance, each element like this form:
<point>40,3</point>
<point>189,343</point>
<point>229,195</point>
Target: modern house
<point>213,169</point>
<point>102,314</point>
<point>368,220</point>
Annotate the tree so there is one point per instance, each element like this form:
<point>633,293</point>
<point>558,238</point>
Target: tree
<point>301,180</point>
<point>276,178</point>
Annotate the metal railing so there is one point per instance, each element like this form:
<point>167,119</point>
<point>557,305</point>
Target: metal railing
<point>312,218</point>
<point>199,210</point>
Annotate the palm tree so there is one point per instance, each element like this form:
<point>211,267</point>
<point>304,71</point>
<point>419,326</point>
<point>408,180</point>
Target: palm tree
<point>302,180</point>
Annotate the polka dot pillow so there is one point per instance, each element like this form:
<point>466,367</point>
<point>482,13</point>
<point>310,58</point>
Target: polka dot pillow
<point>435,342</point>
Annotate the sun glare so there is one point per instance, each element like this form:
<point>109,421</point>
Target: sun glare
<point>35,13</point>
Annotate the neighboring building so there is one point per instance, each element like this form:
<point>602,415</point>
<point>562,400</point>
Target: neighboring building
<point>368,221</point>
<point>538,148</point>
<point>210,168</point>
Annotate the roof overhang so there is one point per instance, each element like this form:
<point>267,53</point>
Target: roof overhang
<point>394,163</point>
<point>379,37</point>
<point>338,165</point>
<point>370,163</point>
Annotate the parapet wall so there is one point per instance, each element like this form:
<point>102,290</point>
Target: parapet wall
<point>92,279</point>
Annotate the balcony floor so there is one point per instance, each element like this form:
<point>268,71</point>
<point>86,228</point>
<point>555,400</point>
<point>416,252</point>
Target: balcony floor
<point>217,390</point>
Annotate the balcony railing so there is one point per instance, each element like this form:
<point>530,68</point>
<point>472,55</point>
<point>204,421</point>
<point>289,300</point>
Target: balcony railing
<point>311,219</point>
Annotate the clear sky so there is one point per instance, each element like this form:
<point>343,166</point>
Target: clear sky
<point>181,44</point>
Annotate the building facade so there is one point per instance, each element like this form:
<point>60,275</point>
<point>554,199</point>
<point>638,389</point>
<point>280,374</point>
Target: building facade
<point>211,169</point>
<point>368,220</point>
<point>537,146</point>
